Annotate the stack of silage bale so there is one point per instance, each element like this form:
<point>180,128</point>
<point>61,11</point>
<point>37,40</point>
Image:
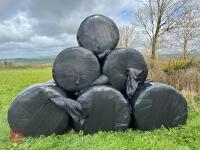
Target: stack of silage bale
<point>97,88</point>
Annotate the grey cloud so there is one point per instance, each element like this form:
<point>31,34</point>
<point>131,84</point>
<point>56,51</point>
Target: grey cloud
<point>55,17</point>
<point>8,8</point>
<point>49,25</point>
<point>16,29</point>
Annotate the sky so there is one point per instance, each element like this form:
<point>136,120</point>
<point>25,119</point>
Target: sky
<point>42,28</point>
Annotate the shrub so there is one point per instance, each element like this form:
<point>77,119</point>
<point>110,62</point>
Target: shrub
<point>185,78</point>
<point>177,64</point>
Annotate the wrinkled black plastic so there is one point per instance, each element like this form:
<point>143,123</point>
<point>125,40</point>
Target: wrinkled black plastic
<point>98,33</point>
<point>119,62</point>
<point>33,113</point>
<point>156,104</point>
<point>104,109</point>
<point>103,55</point>
<point>100,108</point>
<point>75,68</point>
<point>72,107</point>
<point>132,82</point>
<point>101,80</point>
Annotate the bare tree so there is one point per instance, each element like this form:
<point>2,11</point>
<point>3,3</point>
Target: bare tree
<point>189,29</point>
<point>128,36</point>
<point>156,17</point>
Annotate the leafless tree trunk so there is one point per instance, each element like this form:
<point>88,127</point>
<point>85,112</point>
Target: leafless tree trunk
<point>156,17</point>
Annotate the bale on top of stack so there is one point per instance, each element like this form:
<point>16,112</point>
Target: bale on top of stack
<point>105,84</point>
<point>98,34</point>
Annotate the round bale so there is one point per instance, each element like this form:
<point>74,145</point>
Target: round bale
<point>98,33</point>
<point>156,105</point>
<point>32,113</point>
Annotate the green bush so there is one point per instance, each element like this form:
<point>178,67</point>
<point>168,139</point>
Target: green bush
<point>176,64</point>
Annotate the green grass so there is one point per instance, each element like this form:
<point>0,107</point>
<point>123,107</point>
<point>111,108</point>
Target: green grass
<point>14,80</point>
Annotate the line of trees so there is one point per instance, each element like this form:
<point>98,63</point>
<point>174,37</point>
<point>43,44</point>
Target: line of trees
<point>176,22</point>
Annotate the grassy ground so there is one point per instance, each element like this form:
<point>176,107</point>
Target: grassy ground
<point>13,81</point>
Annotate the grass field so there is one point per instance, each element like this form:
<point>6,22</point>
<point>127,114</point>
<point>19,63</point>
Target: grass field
<point>13,81</point>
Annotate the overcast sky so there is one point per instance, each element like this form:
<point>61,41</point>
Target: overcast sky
<point>42,28</point>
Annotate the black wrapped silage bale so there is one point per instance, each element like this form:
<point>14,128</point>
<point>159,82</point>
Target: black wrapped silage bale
<point>75,68</point>
<point>99,34</point>
<point>100,108</point>
<point>156,104</point>
<point>125,68</point>
<point>104,109</point>
<point>33,113</point>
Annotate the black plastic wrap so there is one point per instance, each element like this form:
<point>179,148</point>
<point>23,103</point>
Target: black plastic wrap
<point>100,108</point>
<point>132,82</point>
<point>118,65</point>
<point>33,113</point>
<point>75,68</point>
<point>156,104</point>
<point>72,107</point>
<point>98,33</point>
<point>101,80</point>
<point>104,109</point>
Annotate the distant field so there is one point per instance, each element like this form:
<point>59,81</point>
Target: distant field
<point>22,61</point>
<point>14,80</point>
<point>41,61</point>
<point>34,61</point>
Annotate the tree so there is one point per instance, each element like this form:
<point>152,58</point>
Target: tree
<point>128,36</point>
<point>189,29</point>
<point>157,17</point>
